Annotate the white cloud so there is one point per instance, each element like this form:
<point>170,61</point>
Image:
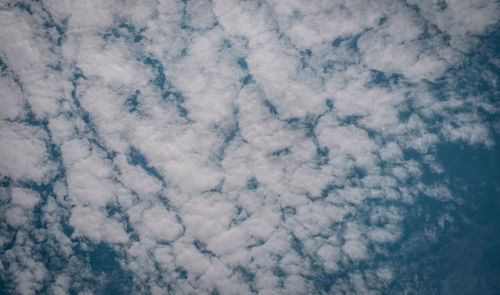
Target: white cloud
<point>23,153</point>
<point>24,198</point>
<point>206,216</point>
<point>160,224</point>
<point>329,256</point>
<point>231,146</point>
<point>94,225</point>
<point>11,100</point>
<point>16,217</point>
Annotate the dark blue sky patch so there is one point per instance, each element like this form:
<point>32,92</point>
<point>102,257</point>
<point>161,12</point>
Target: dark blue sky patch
<point>329,103</point>
<point>383,80</point>
<point>336,43</point>
<point>321,279</point>
<point>128,27</point>
<point>252,184</point>
<point>217,188</point>
<point>5,181</point>
<point>297,246</point>
<point>407,109</point>
<point>103,260</point>
<point>226,44</point>
<point>287,212</point>
<point>293,123</point>
<point>329,67</point>
<point>310,122</point>
<point>177,98</point>
<point>174,95</point>
<point>3,66</point>
<point>77,74</point>
<point>241,216</point>
<point>245,274</point>
<point>350,120</point>
<point>181,272</point>
<point>112,210</point>
<point>60,29</point>
<point>279,272</point>
<point>328,189</point>
<point>272,109</point>
<point>44,189</point>
<point>247,80</point>
<point>322,156</point>
<point>25,7</point>
<point>243,63</point>
<point>51,258</point>
<point>3,287</point>
<point>255,243</point>
<point>202,247</point>
<point>132,101</point>
<point>467,248</point>
<point>304,57</point>
<point>442,4</point>
<point>306,53</point>
<point>297,14</point>
<point>183,112</point>
<point>229,133</point>
<point>382,20</point>
<point>349,42</point>
<point>136,158</point>
<point>281,152</point>
<point>159,76</point>
<point>476,75</point>
<point>126,30</point>
<point>168,93</point>
<point>474,169</point>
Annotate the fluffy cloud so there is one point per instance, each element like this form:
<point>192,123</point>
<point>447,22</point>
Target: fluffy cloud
<point>228,147</point>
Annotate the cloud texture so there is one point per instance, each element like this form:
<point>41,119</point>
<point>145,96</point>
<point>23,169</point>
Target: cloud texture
<point>232,147</point>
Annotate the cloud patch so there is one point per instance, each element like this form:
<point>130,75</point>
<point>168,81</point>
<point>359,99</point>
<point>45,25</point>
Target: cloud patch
<point>228,147</point>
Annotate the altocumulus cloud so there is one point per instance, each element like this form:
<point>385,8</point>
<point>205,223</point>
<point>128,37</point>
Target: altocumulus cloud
<point>235,147</point>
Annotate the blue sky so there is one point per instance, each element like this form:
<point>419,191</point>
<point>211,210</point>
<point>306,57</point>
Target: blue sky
<point>239,147</point>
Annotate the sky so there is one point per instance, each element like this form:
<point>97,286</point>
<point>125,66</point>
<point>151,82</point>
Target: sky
<point>249,147</point>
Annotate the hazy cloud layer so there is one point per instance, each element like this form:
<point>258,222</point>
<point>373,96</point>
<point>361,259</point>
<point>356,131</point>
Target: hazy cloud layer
<point>226,147</point>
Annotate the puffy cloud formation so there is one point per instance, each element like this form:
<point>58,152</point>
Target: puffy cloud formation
<point>230,147</point>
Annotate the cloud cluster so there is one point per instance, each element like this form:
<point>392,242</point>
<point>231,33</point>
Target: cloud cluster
<point>227,147</point>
